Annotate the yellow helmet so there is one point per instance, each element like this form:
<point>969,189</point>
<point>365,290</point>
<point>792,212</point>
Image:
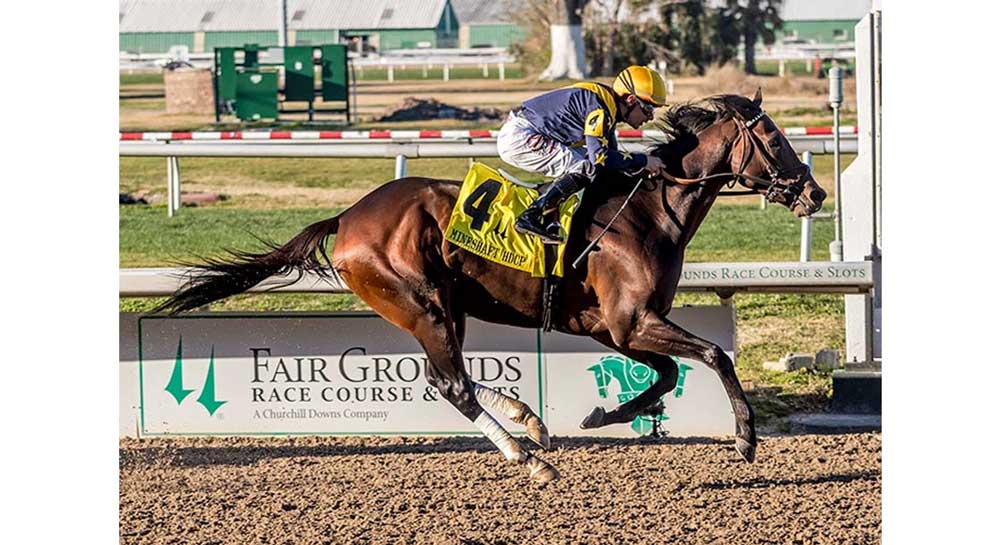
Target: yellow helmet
<point>643,83</point>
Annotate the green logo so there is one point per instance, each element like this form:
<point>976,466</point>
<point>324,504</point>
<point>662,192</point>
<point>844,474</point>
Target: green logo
<point>175,387</point>
<point>633,378</point>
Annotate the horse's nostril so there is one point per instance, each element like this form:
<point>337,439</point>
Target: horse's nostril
<point>817,195</point>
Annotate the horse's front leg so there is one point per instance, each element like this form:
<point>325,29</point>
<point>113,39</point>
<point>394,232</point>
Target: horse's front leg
<point>654,333</point>
<point>666,380</point>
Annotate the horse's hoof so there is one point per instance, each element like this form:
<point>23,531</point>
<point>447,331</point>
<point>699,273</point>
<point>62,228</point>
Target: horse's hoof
<point>541,471</point>
<point>746,449</point>
<point>538,433</point>
<point>594,420</point>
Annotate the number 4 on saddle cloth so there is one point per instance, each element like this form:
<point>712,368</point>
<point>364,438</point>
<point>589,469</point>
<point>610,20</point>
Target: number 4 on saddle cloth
<point>483,222</point>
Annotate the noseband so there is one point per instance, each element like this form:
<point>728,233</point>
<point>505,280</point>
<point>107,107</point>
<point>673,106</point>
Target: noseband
<point>777,188</point>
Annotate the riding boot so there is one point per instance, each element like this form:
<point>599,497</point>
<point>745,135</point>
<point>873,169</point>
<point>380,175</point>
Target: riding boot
<point>532,220</point>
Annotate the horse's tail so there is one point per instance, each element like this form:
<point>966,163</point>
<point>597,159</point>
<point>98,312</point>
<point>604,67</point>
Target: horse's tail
<point>220,278</point>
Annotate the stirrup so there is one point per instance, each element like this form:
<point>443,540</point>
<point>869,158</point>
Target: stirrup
<point>527,226</point>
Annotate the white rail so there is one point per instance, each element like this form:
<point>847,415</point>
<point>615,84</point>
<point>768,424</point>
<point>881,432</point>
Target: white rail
<point>724,279</point>
<point>400,150</point>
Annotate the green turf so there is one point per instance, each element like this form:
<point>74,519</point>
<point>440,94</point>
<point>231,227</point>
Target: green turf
<point>148,174</point>
<point>147,237</point>
<point>796,67</point>
<point>145,78</point>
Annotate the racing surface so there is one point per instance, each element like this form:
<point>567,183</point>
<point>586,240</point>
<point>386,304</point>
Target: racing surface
<point>802,489</point>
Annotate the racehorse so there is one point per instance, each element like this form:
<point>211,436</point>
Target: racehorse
<point>390,249</point>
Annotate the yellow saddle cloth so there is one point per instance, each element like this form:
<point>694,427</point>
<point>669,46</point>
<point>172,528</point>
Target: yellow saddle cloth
<point>483,222</point>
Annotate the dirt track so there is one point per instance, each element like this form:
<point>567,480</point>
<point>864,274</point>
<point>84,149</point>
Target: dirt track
<point>802,489</point>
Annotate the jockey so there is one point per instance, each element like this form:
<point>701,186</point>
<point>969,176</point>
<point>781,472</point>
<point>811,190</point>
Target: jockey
<point>569,134</point>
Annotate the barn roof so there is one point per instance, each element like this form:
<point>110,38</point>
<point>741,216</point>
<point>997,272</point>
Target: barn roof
<point>472,12</point>
<point>229,15</point>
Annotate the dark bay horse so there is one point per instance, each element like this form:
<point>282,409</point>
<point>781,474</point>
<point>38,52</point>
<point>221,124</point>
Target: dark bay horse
<point>391,251</point>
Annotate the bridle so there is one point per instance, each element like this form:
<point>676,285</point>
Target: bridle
<point>777,188</point>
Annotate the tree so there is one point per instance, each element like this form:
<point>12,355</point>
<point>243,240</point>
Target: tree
<point>753,19</point>
<point>568,53</point>
<point>686,19</point>
<point>604,32</point>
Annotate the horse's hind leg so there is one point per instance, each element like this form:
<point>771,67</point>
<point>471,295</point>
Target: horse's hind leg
<point>447,373</point>
<point>423,313</point>
<point>516,410</point>
<point>656,334</point>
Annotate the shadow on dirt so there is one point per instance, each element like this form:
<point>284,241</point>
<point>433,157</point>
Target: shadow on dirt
<point>246,451</point>
<point>866,475</point>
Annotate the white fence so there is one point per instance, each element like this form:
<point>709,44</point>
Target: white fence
<point>401,150</point>
<point>724,279</point>
<point>484,58</point>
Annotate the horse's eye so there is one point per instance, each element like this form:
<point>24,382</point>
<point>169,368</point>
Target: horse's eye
<point>774,144</point>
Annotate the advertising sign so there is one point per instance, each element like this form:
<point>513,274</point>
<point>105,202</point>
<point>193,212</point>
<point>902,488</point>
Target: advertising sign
<point>582,374</point>
<point>356,374</point>
<point>311,374</point>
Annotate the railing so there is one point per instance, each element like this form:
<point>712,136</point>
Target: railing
<point>401,149</point>
<point>724,279</point>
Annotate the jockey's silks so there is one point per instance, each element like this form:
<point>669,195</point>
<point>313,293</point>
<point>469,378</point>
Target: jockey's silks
<point>583,114</point>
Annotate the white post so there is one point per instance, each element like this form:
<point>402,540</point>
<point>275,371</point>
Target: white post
<point>390,73</point>
<point>177,183</point>
<point>805,242</point>
<point>501,67</point>
<point>447,67</point>
<point>425,71</point>
<point>781,68</point>
<point>173,186</point>
<point>859,202</point>
<point>670,87</point>
<point>400,166</point>
<point>170,187</point>
<point>836,99</point>
<point>486,70</point>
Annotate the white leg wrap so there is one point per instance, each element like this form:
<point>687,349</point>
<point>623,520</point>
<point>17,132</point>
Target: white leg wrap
<point>495,400</point>
<point>499,436</point>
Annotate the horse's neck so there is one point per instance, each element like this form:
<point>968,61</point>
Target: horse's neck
<point>687,205</point>
<point>687,208</point>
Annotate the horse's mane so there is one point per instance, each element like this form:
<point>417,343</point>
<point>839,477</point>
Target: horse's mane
<point>690,118</point>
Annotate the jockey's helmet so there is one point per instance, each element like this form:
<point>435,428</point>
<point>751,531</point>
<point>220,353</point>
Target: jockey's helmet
<point>643,83</point>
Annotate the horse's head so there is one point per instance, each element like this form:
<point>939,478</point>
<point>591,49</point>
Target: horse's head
<point>759,156</point>
<point>767,162</point>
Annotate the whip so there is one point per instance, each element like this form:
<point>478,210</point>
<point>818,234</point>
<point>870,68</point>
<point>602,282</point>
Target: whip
<point>593,243</point>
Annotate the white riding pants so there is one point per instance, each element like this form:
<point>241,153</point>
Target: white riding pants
<point>521,145</point>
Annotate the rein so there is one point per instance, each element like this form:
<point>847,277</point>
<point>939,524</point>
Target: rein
<point>775,188</point>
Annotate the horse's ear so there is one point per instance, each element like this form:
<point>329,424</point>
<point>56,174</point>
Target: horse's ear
<point>757,98</point>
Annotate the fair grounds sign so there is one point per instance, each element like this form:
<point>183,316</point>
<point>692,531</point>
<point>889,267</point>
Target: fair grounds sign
<point>356,374</point>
